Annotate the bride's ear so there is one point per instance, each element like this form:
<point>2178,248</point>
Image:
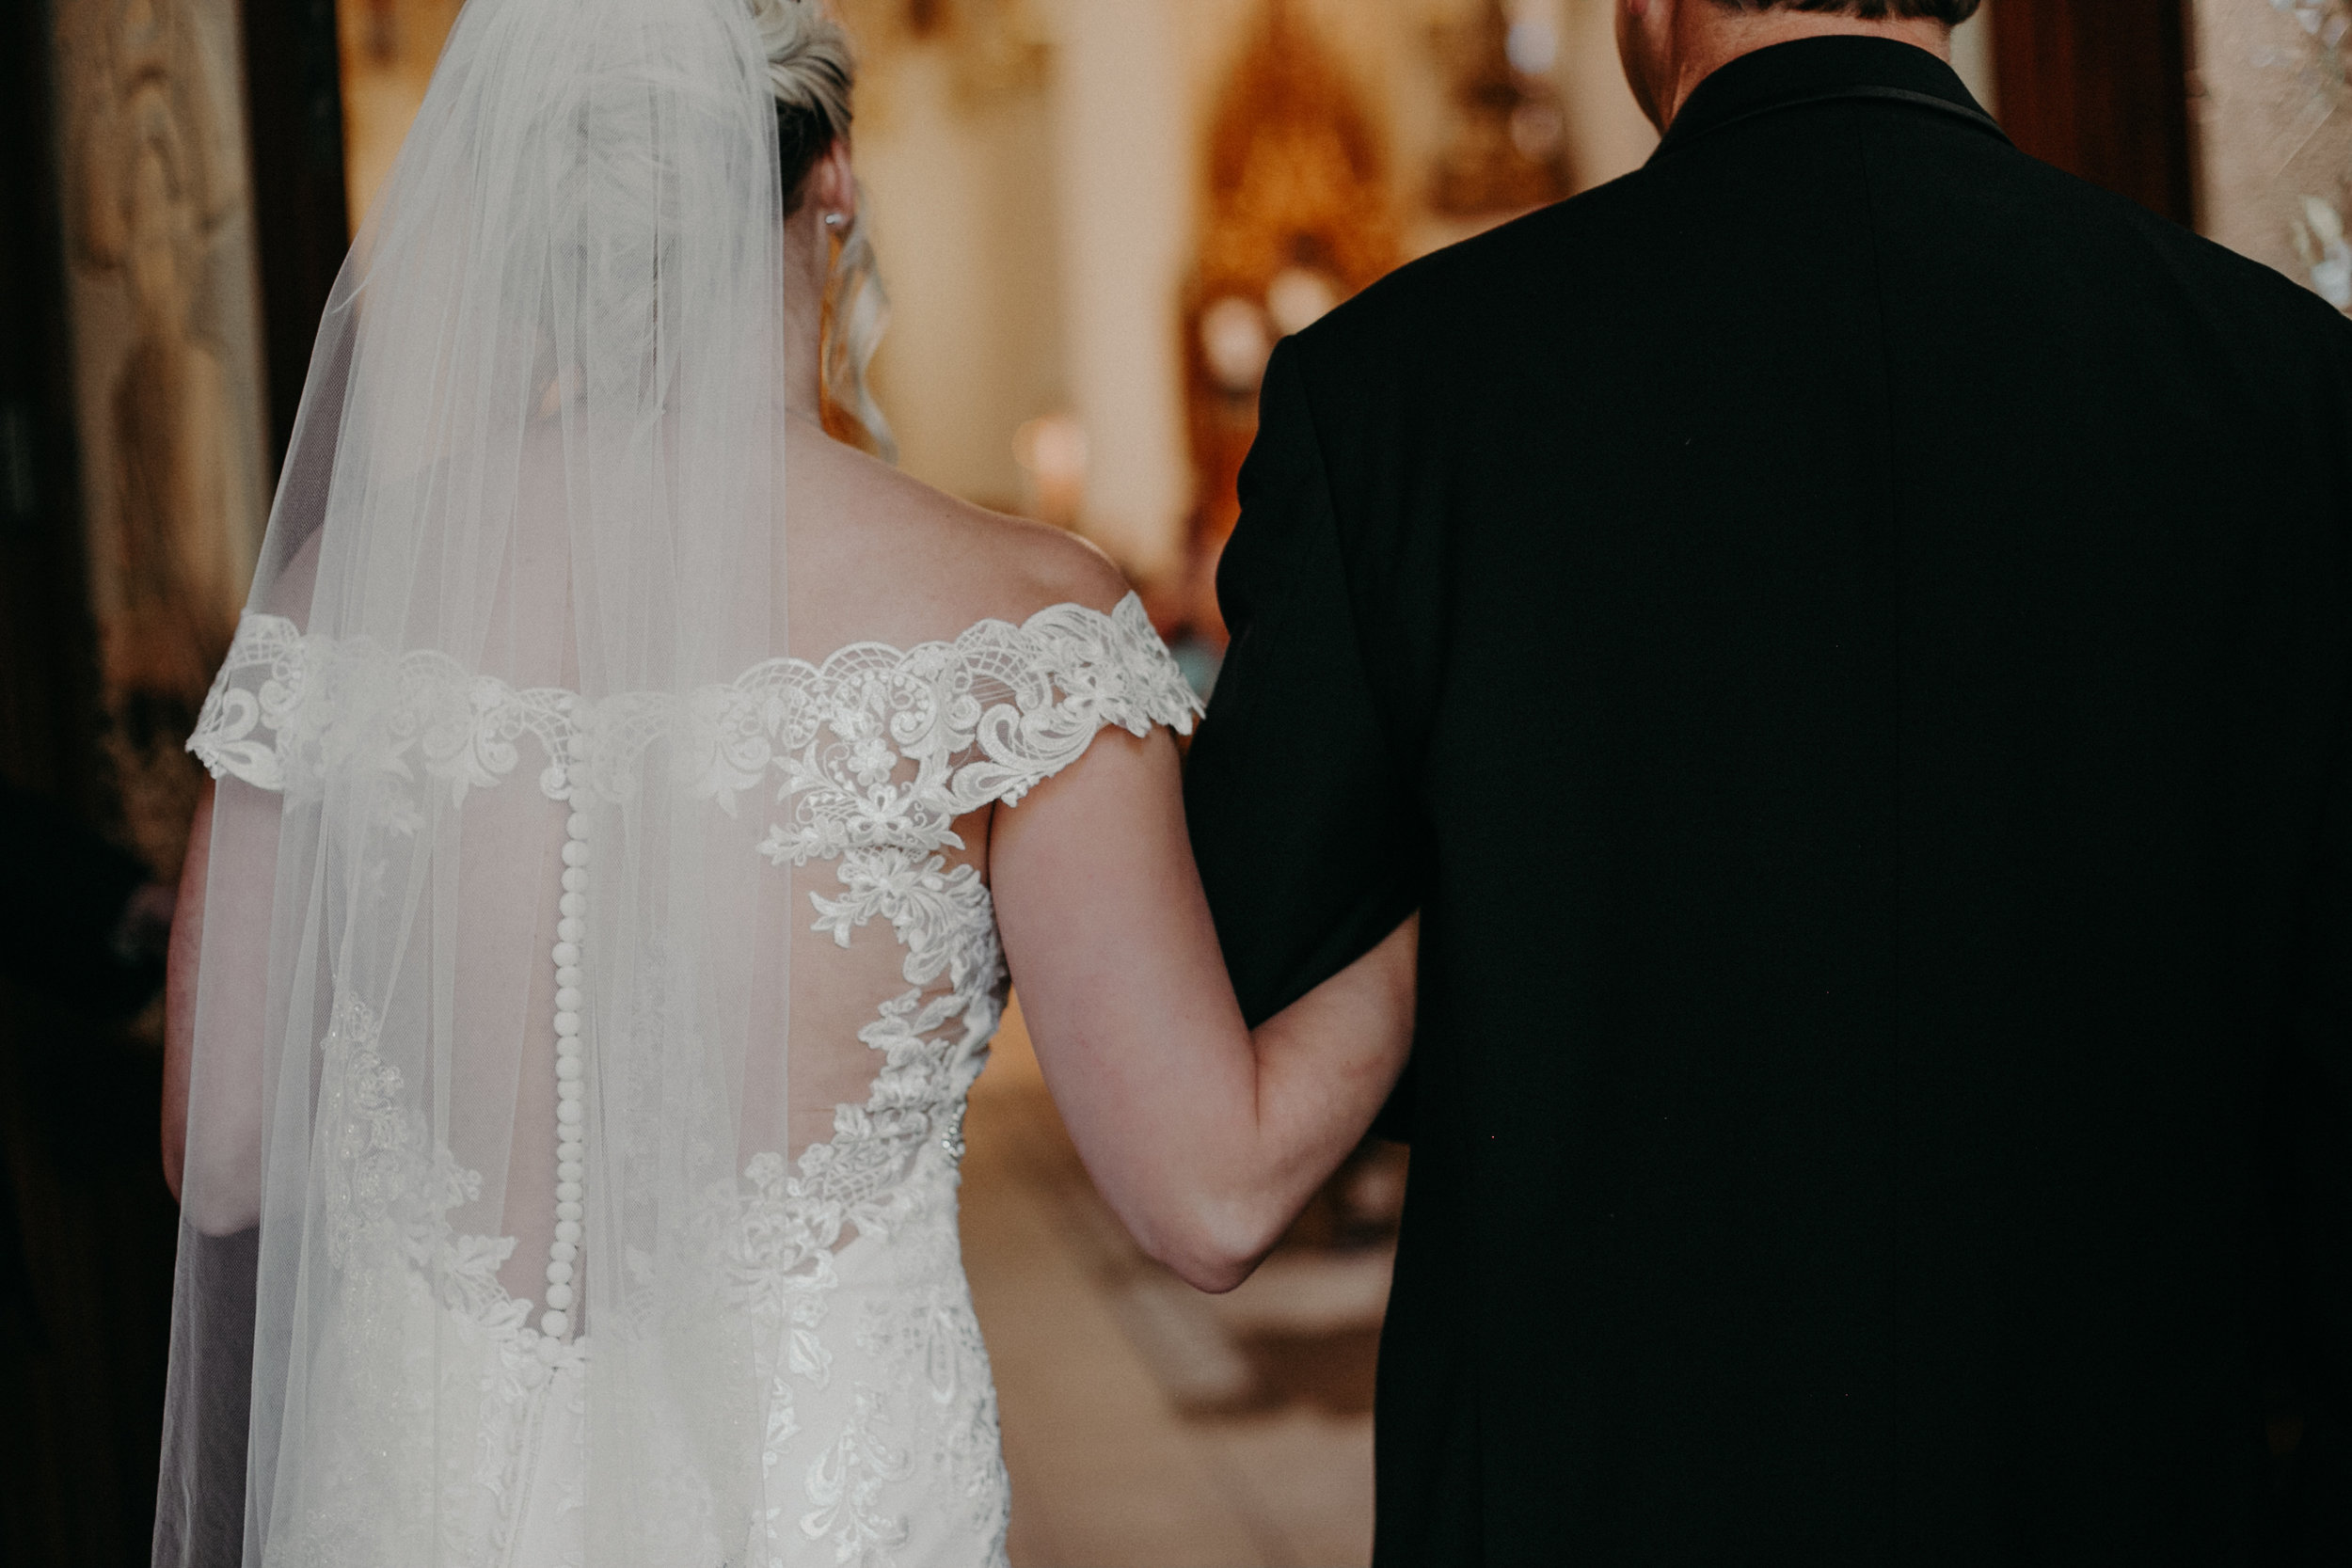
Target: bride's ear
<point>833,186</point>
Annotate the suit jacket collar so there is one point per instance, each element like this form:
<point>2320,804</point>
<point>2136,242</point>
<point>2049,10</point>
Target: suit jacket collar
<point>1812,70</point>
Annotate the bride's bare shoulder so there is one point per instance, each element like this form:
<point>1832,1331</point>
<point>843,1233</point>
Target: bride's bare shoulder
<point>877,555</point>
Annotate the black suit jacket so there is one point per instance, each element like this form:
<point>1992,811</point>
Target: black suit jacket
<point>1845,634</point>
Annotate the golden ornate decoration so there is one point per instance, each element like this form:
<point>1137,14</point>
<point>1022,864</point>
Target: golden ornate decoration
<point>1299,216</point>
<point>1508,152</point>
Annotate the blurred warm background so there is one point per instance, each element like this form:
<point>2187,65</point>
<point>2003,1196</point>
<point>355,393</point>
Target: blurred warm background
<point>1095,218</point>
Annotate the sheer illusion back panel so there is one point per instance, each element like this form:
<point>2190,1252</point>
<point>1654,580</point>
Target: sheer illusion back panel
<point>874,901</point>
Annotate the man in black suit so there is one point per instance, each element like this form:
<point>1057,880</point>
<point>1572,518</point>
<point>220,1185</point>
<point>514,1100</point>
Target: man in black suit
<point>1846,636</point>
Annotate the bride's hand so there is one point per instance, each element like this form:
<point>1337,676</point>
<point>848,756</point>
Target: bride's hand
<point>1205,1141</point>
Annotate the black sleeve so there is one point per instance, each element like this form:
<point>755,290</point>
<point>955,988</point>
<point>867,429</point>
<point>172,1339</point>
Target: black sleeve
<point>2312,1109</point>
<point>1300,815</point>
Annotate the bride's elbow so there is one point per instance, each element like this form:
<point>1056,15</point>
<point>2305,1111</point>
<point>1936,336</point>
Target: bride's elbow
<point>1214,1246</point>
<point>1213,1275</point>
<point>220,1187</point>
<point>213,1214</point>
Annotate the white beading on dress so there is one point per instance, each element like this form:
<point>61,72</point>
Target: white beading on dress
<point>874,1381</point>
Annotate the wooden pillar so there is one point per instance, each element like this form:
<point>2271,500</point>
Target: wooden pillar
<point>2100,88</point>
<point>124,138</point>
<point>86,1229</point>
<point>49,692</point>
<point>1126,187</point>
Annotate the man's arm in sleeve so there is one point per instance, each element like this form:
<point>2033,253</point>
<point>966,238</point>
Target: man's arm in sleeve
<point>1300,820</point>
<point>2312,1204</point>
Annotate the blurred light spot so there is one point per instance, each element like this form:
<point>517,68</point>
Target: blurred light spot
<point>1536,130</point>
<point>1235,342</point>
<point>1298,299</point>
<point>1533,44</point>
<point>1052,452</point>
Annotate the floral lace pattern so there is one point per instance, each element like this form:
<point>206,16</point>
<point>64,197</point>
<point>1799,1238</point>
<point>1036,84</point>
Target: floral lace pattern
<point>984,717</point>
<point>429,1343</point>
<point>880,1413</point>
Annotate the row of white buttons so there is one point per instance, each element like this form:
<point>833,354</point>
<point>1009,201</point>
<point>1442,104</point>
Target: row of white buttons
<point>571,1110</point>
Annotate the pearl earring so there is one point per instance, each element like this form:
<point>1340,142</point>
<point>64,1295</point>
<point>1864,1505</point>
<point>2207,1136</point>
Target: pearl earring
<point>833,220</point>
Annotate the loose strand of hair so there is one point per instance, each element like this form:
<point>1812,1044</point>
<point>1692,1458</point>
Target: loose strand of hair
<point>857,312</point>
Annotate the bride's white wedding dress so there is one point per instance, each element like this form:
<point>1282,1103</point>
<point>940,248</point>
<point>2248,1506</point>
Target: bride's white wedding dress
<point>877,1432</point>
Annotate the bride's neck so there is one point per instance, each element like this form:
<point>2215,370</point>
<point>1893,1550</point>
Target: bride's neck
<point>807,268</point>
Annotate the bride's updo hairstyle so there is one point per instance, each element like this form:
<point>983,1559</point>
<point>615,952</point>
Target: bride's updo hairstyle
<point>812,72</point>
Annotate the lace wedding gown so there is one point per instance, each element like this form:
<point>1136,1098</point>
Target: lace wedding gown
<point>879,1436</point>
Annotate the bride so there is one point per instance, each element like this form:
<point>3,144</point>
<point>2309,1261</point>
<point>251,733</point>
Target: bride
<point>632,807</point>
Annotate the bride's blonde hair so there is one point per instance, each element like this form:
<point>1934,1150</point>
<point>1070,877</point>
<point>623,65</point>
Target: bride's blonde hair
<point>811,70</point>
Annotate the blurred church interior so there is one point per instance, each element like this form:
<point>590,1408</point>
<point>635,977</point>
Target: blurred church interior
<point>1094,218</point>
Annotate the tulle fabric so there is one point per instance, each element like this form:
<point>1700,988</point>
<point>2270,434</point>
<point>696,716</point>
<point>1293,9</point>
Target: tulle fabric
<point>540,452</point>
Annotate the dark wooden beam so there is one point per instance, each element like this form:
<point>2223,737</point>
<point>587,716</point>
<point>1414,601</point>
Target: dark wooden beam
<point>2100,88</point>
<point>294,111</point>
<point>87,1230</point>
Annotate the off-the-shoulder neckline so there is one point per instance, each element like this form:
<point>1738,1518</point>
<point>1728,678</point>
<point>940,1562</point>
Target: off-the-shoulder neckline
<point>1110,668</point>
<point>1128,610</point>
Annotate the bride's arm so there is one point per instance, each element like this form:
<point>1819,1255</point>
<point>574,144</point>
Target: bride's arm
<point>187,927</point>
<point>213,1056</point>
<point>212,1059</point>
<point>1205,1140</point>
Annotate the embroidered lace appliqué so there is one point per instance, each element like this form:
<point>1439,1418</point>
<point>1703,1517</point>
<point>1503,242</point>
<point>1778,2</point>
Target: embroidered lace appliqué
<point>889,1418</point>
<point>405,1281</point>
<point>985,718</point>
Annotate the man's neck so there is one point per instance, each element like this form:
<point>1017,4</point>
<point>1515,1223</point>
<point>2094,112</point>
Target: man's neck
<point>1707,38</point>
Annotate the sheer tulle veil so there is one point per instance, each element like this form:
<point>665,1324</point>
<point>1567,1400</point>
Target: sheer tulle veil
<point>508,975</point>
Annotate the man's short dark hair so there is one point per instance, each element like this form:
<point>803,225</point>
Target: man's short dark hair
<point>1950,12</point>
